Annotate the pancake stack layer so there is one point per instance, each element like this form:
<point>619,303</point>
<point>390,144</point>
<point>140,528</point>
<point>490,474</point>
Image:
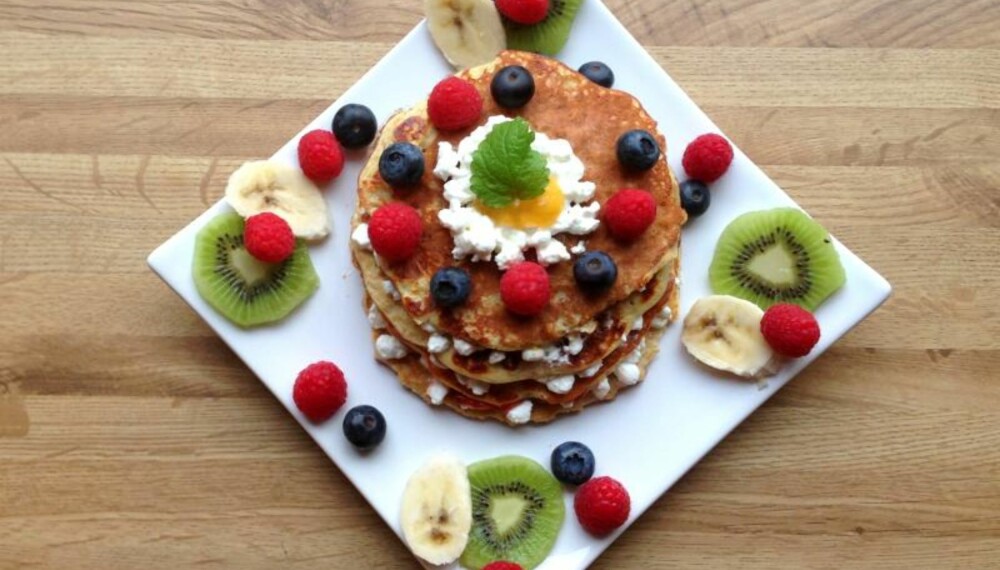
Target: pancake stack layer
<point>479,359</point>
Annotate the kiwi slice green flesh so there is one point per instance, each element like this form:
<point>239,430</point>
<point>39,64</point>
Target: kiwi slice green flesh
<point>243,289</point>
<point>776,256</point>
<point>517,511</point>
<point>548,36</point>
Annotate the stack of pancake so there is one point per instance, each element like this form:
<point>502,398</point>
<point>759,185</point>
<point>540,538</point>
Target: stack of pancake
<point>584,348</point>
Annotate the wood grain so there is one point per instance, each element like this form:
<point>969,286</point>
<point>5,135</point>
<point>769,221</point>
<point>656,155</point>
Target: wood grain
<point>130,436</point>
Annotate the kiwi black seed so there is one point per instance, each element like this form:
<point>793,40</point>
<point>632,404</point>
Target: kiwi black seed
<point>776,256</point>
<point>548,36</point>
<point>517,511</point>
<point>245,290</point>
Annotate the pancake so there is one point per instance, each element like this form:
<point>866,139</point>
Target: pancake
<point>568,106</point>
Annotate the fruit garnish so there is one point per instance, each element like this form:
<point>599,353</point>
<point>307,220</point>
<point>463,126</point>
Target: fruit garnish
<point>525,289</point>
<point>598,72</point>
<point>595,271</point>
<point>265,186</point>
<point>573,463</point>
<point>454,104</point>
<point>502,565</point>
<point>268,237</point>
<point>517,511</point>
<point>505,168</point>
<point>450,286</point>
<point>540,212</point>
<point>512,87</point>
<point>547,36</point>
<point>776,256</point>
<point>638,150</point>
<point>395,230</point>
<point>320,156</point>
<point>243,289</point>
<point>707,157</point>
<point>319,391</point>
<point>790,330</point>
<point>695,197</point>
<point>401,165</point>
<point>723,332</point>
<point>629,213</point>
<point>468,32</point>
<point>602,505</point>
<point>354,126</point>
<point>436,513</point>
<point>527,12</point>
<point>364,427</point>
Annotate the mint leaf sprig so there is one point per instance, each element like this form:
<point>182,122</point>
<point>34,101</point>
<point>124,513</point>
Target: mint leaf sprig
<point>505,168</point>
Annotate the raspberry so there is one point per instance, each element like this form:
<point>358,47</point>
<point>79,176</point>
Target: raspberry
<point>319,391</point>
<point>395,231</point>
<point>601,505</point>
<point>525,12</point>
<point>454,104</point>
<point>629,212</point>
<point>789,329</point>
<point>502,566</point>
<point>320,156</point>
<point>707,157</point>
<point>525,289</point>
<point>268,237</point>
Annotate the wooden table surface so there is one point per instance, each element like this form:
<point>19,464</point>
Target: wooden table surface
<point>131,437</point>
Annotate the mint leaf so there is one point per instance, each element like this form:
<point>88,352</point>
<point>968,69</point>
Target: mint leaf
<point>505,168</point>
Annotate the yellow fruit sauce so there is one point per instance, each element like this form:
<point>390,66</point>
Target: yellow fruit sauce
<point>540,212</point>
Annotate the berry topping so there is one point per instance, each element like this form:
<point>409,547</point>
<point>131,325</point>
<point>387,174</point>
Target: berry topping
<point>395,230</point>
<point>512,87</point>
<point>502,565</point>
<point>707,157</point>
<point>599,73</point>
<point>695,198</point>
<point>319,391</point>
<point>268,237</point>
<point>454,104</point>
<point>595,271</point>
<point>364,427</point>
<point>573,463</point>
<point>601,505</point>
<point>320,156</point>
<point>355,126</point>
<point>450,286</point>
<point>401,165</point>
<point>628,213</point>
<point>789,329</point>
<point>527,12</point>
<point>638,150</point>
<point>525,289</point>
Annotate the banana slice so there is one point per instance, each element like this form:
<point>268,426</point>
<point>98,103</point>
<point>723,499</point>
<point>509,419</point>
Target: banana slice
<point>468,32</point>
<point>264,186</point>
<point>437,510</point>
<point>724,332</point>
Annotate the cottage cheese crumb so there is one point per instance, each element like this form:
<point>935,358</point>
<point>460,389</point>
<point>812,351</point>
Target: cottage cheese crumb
<point>436,392</point>
<point>478,388</point>
<point>464,348</point>
<point>590,372</point>
<point>637,323</point>
<point>561,384</point>
<point>627,374</point>
<point>662,319</point>
<point>579,248</point>
<point>521,413</point>
<point>602,389</point>
<point>375,318</point>
<point>390,290</point>
<point>436,343</point>
<point>533,354</point>
<point>360,237</point>
<point>574,344</point>
<point>496,357</point>
<point>389,347</point>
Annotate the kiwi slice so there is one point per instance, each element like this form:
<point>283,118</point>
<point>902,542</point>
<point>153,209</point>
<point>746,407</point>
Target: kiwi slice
<point>776,256</point>
<point>517,511</point>
<point>548,36</point>
<point>244,289</point>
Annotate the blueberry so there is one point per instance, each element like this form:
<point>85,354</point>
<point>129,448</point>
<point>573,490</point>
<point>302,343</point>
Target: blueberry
<point>512,87</point>
<point>450,286</point>
<point>599,73</point>
<point>695,197</point>
<point>638,150</point>
<point>402,164</point>
<point>595,271</point>
<point>573,463</point>
<point>354,126</point>
<point>364,427</point>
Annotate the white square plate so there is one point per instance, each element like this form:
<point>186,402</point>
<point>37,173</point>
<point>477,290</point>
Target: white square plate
<point>681,409</point>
